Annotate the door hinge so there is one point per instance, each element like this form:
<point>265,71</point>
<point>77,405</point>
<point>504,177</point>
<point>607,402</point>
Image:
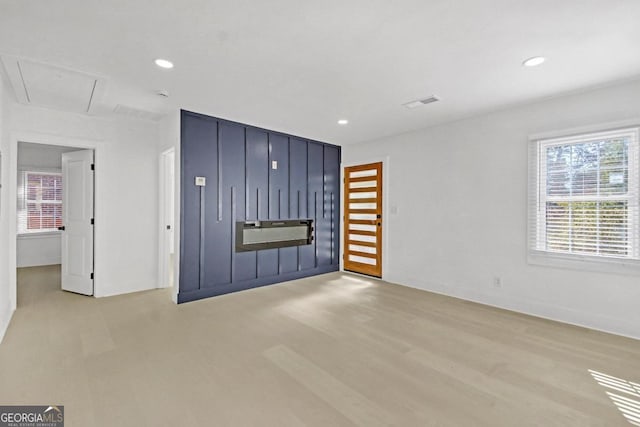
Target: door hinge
<point>91,276</point>
<point>92,221</point>
<point>93,167</point>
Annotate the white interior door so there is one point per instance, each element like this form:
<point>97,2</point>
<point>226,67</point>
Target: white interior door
<point>77,219</point>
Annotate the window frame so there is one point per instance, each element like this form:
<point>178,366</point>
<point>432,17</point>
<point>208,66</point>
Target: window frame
<point>537,254</point>
<point>23,212</point>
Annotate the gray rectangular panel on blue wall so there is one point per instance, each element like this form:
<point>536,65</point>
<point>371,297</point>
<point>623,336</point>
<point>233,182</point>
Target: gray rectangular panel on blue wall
<point>309,254</point>
<point>279,198</point>
<point>331,241</point>
<point>252,174</point>
<point>257,171</point>
<point>197,160</point>
<point>232,154</point>
<point>297,186</point>
<point>280,195</point>
<point>224,213</point>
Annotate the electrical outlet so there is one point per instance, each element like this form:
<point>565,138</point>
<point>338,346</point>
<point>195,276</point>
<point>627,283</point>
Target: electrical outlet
<point>497,282</point>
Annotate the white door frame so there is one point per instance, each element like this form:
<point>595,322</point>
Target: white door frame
<point>12,186</point>
<point>163,248</point>
<point>385,211</point>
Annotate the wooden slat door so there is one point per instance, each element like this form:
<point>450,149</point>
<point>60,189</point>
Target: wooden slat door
<point>363,219</point>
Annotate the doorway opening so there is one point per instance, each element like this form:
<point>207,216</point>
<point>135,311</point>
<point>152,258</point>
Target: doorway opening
<point>55,218</point>
<point>167,258</point>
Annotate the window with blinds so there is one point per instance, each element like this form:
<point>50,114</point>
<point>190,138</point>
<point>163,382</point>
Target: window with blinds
<point>584,195</point>
<point>40,204</point>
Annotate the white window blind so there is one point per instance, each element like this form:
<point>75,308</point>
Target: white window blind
<point>584,195</point>
<point>39,202</point>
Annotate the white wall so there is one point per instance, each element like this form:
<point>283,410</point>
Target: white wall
<point>39,249</point>
<point>126,189</point>
<point>36,250</point>
<point>41,156</point>
<point>6,308</point>
<point>460,191</point>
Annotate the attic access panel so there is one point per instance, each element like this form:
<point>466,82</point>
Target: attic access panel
<point>256,235</point>
<point>52,86</point>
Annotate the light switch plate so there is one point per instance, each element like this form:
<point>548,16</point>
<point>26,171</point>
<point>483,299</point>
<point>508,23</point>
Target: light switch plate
<point>274,164</point>
<point>201,181</point>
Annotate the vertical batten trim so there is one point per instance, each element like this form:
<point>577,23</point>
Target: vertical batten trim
<point>289,178</point>
<point>202,232</point>
<point>233,234</point>
<point>257,219</point>
<point>279,266</point>
<point>268,177</point>
<point>246,179</point>
<point>307,183</point>
<point>219,165</point>
<point>315,227</point>
<point>333,231</point>
<point>324,189</point>
<point>257,203</point>
<point>298,247</point>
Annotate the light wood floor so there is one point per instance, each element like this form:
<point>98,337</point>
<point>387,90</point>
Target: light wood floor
<point>334,350</point>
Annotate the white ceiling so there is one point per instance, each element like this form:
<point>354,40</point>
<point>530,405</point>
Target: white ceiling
<point>298,66</point>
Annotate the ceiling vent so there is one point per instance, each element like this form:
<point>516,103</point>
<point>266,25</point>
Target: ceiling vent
<point>137,113</point>
<point>420,102</point>
<point>46,85</point>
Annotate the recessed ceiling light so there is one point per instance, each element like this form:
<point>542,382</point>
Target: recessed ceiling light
<point>534,61</point>
<point>163,63</point>
<point>343,121</point>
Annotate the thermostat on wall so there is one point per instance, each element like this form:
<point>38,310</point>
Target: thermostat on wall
<point>201,181</point>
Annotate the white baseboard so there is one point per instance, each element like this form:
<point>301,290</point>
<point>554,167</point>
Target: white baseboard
<point>39,263</point>
<point>531,308</point>
<point>128,288</point>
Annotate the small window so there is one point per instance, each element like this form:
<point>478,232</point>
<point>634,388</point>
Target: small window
<point>41,202</point>
<point>584,196</point>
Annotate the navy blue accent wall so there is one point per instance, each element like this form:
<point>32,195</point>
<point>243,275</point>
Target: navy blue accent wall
<point>241,185</point>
